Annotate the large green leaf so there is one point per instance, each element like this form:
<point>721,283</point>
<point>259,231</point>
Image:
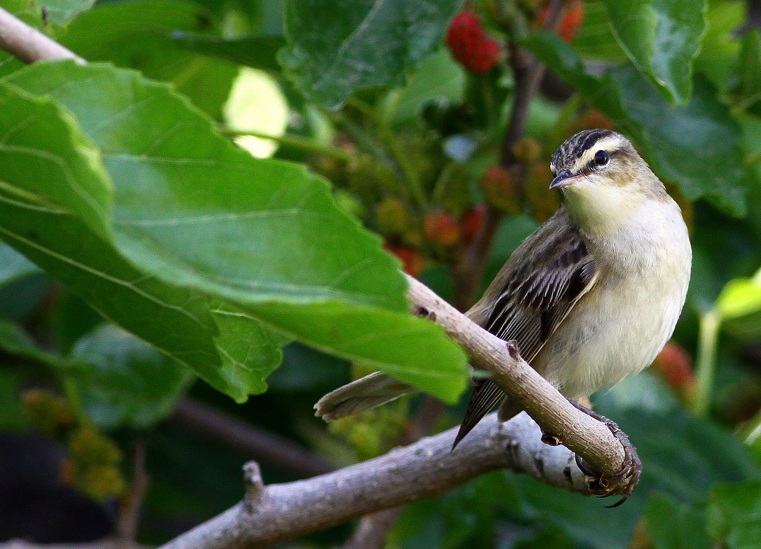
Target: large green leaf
<point>594,39</point>
<point>47,165</point>
<point>661,37</point>
<point>695,146</point>
<point>263,237</point>
<point>139,35</point>
<point>338,46</point>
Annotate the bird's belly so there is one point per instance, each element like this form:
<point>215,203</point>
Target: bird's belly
<point>603,340</point>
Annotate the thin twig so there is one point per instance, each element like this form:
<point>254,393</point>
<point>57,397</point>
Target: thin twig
<point>298,142</point>
<point>527,74</point>
<point>131,505</point>
<point>261,445</point>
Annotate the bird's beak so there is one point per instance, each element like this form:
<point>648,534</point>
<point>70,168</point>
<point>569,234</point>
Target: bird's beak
<point>563,179</point>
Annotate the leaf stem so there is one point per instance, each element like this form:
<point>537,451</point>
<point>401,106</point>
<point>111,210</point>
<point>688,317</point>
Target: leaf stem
<point>706,361</point>
<point>295,141</point>
<point>75,401</point>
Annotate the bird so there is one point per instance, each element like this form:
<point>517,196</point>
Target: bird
<point>590,297</point>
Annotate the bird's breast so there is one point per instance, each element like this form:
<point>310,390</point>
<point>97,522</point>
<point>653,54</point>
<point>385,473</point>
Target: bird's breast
<point>622,323</point>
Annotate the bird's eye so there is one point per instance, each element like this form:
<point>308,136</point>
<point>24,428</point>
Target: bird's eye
<point>601,158</point>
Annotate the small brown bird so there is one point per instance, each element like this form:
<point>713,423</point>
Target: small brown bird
<point>591,296</point>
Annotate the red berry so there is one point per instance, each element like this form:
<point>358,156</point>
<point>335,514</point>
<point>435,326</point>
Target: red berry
<point>442,228</point>
<point>470,45</point>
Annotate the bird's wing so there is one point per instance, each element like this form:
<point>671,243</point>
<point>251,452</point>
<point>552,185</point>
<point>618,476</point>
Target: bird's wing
<point>533,293</point>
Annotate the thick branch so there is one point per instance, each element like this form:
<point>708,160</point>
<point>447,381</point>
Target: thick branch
<point>29,44</point>
<point>425,469</point>
<point>589,438</point>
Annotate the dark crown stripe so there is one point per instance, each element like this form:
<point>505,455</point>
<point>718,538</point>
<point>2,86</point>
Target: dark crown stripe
<point>576,145</point>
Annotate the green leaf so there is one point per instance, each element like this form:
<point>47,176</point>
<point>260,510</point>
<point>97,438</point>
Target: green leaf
<point>695,146</point>
<point>61,11</point>
<point>126,382</point>
<point>748,90</point>
<point>258,52</point>
<point>739,307</point>
<point>45,220</point>
<point>675,526</point>
<point>661,37</point>
<point>439,77</point>
<point>718,54</point>
<point>14,266</point>
<point>15,341</point>
<point>338,46</point>
<point>594,39</point>
<point>734,514</point>
<point>139,35</point>
<point>121,380</point>
<point>740,297</point>
<point>263,237</point>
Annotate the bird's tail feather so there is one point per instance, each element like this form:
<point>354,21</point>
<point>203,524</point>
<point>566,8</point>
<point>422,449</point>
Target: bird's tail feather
<point>483,398</point>
<point>360,395</point>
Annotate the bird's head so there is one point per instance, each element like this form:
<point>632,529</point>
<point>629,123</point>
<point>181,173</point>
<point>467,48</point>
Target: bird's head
<point>603,179</point>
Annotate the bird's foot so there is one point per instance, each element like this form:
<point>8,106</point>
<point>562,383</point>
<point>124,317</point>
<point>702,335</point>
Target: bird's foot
<point>626,479</point>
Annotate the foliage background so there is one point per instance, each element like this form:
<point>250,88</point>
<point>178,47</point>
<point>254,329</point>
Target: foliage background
<point>150,265</point>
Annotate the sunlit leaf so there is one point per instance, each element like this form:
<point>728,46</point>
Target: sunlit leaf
<point>263,237</point>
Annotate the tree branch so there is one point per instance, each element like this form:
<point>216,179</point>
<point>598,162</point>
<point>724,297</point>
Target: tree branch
<point>425,469</point>
<point>589,438</point>
<point>29,44</point>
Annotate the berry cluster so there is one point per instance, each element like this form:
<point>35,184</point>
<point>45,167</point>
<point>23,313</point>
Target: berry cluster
<point>470,45</point>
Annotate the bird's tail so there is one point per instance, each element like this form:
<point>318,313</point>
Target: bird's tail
<point>360,395</point>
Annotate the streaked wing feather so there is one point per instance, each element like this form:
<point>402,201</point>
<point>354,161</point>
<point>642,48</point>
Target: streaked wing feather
<point>529,299</point>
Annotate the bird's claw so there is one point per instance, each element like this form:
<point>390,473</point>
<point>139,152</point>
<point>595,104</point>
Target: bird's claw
<point>624,481</point>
